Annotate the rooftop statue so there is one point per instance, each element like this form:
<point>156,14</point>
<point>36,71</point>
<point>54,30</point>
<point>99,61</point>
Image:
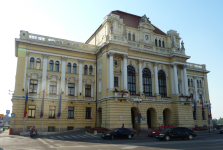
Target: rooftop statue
<point>182,45</point>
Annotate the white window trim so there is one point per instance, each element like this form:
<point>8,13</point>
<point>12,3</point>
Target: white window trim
<point>38,79</point>
<point>119,86</point>
<point>75,85</point>
<point>88,81</point>
<point>49,79</point>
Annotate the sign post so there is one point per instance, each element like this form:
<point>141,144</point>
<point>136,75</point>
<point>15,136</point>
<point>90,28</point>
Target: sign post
<point>13,115</point>
<point>137,100</point>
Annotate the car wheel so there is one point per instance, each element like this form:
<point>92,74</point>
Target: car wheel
<point>190,137</point>
<point>167,138</point>
<point>129,136</point>
<point>112,137</point>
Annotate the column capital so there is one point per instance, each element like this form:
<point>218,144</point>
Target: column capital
<point>27,53</point>
<point>80,61</point>
<point>64,58</point>
<point>111,53</point>
<point>125,55</point>
<point>174,64</point>
<point>195,77</point>
<point>140,61</point>
<point>155,64</point>
<point>45,55</point>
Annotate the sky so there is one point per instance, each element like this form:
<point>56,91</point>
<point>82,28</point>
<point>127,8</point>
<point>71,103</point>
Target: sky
<point>199,23</point>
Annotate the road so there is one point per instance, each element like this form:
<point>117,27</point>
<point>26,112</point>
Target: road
<point>79,140</point>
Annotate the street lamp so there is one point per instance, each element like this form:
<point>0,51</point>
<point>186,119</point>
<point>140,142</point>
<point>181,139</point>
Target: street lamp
<point>137,100</point>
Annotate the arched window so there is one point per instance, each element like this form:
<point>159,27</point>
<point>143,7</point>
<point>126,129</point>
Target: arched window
<point>147,83</point>
<point>191,82</point>
<point>31,64</point>
<point>51,65</point>
<point>74,68</point>
<point>129,36</point>
<point>188,82</point>
<point>162,83</point>
<point>156,42</point>
<point>90,70</point>
<point>133,37</point>
<point>131,80</point>
<point>197,83</point>
<point>57,65</point>
<point>38,63</point>
<point>200,84</point>
<point>69,68</point>
<point>85,69</point>
<point>163,44</point>
<point>159,43</point>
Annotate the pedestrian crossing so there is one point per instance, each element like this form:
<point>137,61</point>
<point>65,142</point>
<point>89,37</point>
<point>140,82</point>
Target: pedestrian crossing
<point>69,137</point>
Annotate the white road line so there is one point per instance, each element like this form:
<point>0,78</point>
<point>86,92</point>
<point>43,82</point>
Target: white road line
<point>74,136</point>
<point>80,136</point>
<point>60,137</point>
<point>50,146</point>
<point>52,137</point>
<point>131,147</point>
<point>67,137</point>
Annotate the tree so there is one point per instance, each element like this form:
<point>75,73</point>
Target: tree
<point>214,122</point>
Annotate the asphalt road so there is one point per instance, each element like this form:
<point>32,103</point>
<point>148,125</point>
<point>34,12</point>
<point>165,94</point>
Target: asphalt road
<point>79,140</point>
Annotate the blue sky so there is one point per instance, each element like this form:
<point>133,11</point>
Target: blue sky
<point>199,23</point>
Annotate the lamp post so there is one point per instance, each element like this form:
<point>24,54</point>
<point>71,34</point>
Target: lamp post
<point>137,101</point>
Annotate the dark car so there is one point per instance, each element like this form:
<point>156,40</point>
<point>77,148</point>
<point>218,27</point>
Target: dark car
<point>221,131</point>
<point>177,132</point>
<point>118,133</point>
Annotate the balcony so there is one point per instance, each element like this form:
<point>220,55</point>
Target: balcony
<point>196,66</point>
<point>71,45</point>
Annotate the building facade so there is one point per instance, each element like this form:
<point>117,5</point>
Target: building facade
<point>127,59</point>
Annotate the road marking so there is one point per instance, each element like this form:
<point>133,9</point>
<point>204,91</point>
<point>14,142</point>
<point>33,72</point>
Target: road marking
<point>50,146</point>
<point>74,136</point>
<point>80,136</point>
<point>132,147</point>
<point>60,137</point>
<point>67,137</point>
<point>52,137</point>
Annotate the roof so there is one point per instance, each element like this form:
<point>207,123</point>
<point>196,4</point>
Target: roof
<point>133,20</point>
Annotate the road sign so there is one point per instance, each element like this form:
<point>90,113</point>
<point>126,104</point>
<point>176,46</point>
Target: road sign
<point>12,114</point>
<point>1,122</point>
<point>1,115</point>
<point>160,118</point>
<point>7,111</point>
<point>143,118</point>
<point>1,118</point>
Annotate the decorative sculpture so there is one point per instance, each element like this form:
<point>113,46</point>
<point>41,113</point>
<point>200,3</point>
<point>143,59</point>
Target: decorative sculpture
<point>182,45</point>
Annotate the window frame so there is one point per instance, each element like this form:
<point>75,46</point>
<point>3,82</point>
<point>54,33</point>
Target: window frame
<point>159,43</point>
<point>75,68</point>
<point>131,80</point>
<point>90,70</point>
<point>163,44</point>
<point>87,90</point>
<point>31,63</point>
<point>71,87</point>
<point>50,109</point>
<point>31,109</point>
<point>38,61</point>
<point>162,80</point>
<point>32,85</point>
<point>85,70</point>
<point>88,113</point>
<point>156,42</point>
<point>69,67</point>
<point>129,36</point>
<point>188,80</point>
<point>191,82</point>
<point>53,86</point>
<point>57,66</point>
<point>51,65</point>
<point>70,112</point>
<point>147,82</point>
<point>133,37</point>
<point>116,82</point>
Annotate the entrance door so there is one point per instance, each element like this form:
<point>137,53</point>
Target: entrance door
<point>133,119</point>
<point>149,118</point>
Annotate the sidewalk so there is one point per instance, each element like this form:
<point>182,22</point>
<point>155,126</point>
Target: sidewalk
<point>4,133</point>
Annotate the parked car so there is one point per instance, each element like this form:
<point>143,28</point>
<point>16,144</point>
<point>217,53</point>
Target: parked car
<point>118,133</point>
<point>177,132</point>
<point>158,130</point>
<point>221,131</point>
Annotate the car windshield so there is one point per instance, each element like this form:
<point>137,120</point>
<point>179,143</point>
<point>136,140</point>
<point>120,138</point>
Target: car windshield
<point>157,128</point>
<point>168,130</point>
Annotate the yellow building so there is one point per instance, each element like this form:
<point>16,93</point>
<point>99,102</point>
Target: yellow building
<point>127,62</point>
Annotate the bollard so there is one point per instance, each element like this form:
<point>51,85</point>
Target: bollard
<point>8,127</point>
<point>3,129</point>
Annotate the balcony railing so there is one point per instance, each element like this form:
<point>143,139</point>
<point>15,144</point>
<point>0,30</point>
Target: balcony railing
<point>196,66</point>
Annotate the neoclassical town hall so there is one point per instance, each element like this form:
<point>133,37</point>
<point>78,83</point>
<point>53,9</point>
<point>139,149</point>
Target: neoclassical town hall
<point>126,61</point>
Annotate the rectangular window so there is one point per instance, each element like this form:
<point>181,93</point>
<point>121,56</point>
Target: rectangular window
<point>51,129</point>
<point>70,128</point>
<point>71,89</point>
<point>87,90</point>
<point>88,113</point>
<point>31,111</point>
<point>200,97</point>
<point>115,81</point>
<point>52,112</point>
<point>33,86</point>
<point>70,112</point>
<point>53,88</point>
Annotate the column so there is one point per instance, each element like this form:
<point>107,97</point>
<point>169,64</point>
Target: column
<point>125,76</point>
<point>140,77</point>
<point>24,79</point>
<point>185,80</point>
<point>204,90</point>
<point>63,69</point>
<point>175,79</point>
<point>111,72</point>
<point>95,77</point>
<point>195,86</point>
<point>156,79</point>
<point>172,81</point>
<point>44,73</point>
<point>80,76</point>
